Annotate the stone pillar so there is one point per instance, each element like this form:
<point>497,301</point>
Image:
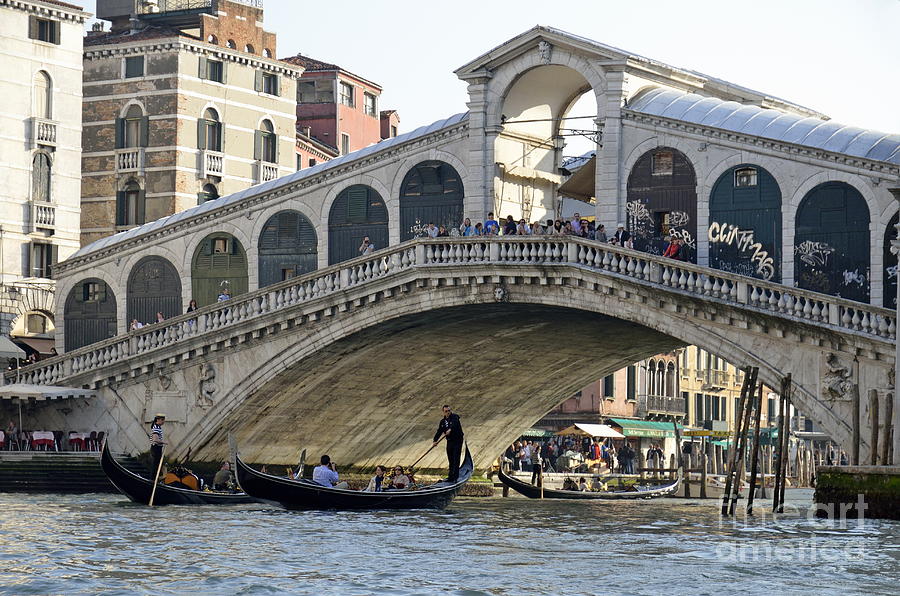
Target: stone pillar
<point>895,419</point>
<point>479,195</point>
<point>610,208</point>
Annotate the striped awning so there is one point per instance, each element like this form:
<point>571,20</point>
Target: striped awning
<point>24,391</point>
<point>644,428</point>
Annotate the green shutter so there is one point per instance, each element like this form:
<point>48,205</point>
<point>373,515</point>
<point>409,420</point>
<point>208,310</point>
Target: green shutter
<point>277,85</point>
<point>258,81</point>
<point>357,204</point>
<point>54,258</point>
<point>145,132</point>
<point>275,145</point>
<point>120,208</point>
<point>120,133</point>
<point>26,258</point>
<point>141,207</point>
<point>54,32</point>
<point>201,133</point>
<point>203,71</point>
<point>206,247</point>
<point>224,71</point>
<point>32,27</point>
<point>257,144</point>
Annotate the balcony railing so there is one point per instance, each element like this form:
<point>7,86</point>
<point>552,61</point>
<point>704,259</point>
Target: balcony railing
<point>266,171</point>
<point>43,215</point>
<point>660,404</point>
<point>212,163</point>
<point>130,160</point>
<point>43,132</point>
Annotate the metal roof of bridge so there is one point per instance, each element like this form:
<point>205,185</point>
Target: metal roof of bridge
<point>272,184</point>
<point>770,124</point>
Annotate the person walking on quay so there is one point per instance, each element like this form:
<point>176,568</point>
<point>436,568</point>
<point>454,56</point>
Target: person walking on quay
<point>157,441</point>
<point>450,428</point>
<point>536,467</point>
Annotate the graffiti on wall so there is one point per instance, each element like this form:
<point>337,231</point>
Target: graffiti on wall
<point>815,254</point>
<point>854,277</point>
<point>744,242</point>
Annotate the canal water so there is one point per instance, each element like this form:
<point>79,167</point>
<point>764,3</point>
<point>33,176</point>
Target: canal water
<point>101,544</point>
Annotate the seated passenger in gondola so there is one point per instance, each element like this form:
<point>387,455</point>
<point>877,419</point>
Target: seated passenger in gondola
<point>399,479</point>
<point>569,484</point>
<point>324,474</point>
<point>377,483</point>
<point>597,484</point>
<point>582,484</point>
<point>224,479</point>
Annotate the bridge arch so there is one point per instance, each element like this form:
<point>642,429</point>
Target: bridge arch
<point>831,245</point>
<point>219,262</point>
<point>747,198</point>
<point>890,263</point>
<point>90,313</point>
<point>662,201</point>
<point>287,247</point>
<point>357,211</point>
<point>154,285</point>
<point>432,191</point>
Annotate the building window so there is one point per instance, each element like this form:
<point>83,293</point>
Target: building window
<point>744,177</point>
<point>134,67</point>
<point>267,83</point>
<point>393,131</point>
<point>315,91</point>
<point>212,70</point>
<point>43,257</point>
<point>267,143</point>
<point>267,52</point>
<point>288,273</point>
<point>130,205</point>
<point>370,107</point>
<point>312,162</point>
<point>212,39</point>
<point>220,245</point>
<point>609,386</point>
<point>209,193</point>
<point>299,162</point>
<point>93,291</point>
<point>209,131</point>
<point>43,30</point>
<point>230,43</point>
<point>345,143</point>
<point>41,171</point>
<point>42,107</point>
<point>35,323</point>
<point>249,49</point>
<point>347,94</point>
<point>630,384</point>
<point>663,163</point>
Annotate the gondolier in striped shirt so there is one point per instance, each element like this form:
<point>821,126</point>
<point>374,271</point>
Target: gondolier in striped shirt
<point>450,428</point>
<point>156,440</point>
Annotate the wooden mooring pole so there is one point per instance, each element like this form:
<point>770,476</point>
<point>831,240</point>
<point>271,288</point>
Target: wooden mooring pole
<point>754,453</point>
<point>888,429</point>
<point>854,441</point>
<point>734,471</point>
<point>873,418</point>
<point>783,431</point>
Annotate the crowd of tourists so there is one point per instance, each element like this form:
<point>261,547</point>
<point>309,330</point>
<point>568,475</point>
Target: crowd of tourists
<point>572,453</point>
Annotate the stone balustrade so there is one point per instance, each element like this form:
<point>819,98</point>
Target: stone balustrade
<point>213,163</point>
<point>43,215</point>
<point>43,132</point>
<point>502,255</point>
<point>267,171</point>
<point>130,159</point>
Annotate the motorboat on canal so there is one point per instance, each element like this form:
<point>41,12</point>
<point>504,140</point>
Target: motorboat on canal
<point>138,489</point>
<point>303,493</point>
<point>634,492</point>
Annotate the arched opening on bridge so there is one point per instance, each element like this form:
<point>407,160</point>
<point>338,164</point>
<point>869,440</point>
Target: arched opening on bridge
<point>831,245</point>
<point>890,265</point>
<point>544,110</point>
<point>153,286</point>
<point>671,380</point>
<point>662,202</point>
<point>745,223</point>
<point>288,247</point>
<point>357,212</point>
<point>219,264</point>
<point>432,192</point>
<point>90,314</point>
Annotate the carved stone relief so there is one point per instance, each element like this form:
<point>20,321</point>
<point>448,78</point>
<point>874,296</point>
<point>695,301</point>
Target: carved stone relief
<point>837,379</point>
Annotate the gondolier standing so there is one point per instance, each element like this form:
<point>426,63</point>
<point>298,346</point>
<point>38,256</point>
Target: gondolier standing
<point>450,428</point>
<point>156,440</point>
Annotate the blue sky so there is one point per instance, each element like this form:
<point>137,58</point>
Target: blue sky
<point>839,57</point>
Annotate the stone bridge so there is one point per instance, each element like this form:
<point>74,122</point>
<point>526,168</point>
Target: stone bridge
<point>355,359</point>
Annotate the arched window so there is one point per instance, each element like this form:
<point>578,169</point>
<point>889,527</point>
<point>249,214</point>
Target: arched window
<point>43,94</point>
<point>220,263</point>
<point>130,205</point>
<point>90,314</point>
<point>890,265</point>
<point>651,377</point>
<point>209,193</point>
<point>212,39</point>
<point>209,131</point>
<point>288,247</point>
<point>432,192</point>
<point>230,43</point>
<point>249,49</point>
<point>134,119</point>
<point>267,143</point>
<point>670,380</point>
<point>357,212</point>
<point>831,245</point>
<point>267,52</point>
<point>40,177</point>
<point>153,286</point>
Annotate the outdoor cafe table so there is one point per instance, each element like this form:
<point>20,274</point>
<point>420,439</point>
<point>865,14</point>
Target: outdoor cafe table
<point>43,437</point>
<point>78,440</point>
<point>2,439</point>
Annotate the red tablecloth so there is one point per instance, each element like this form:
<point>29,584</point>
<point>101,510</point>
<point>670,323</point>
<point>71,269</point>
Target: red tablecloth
<point>41,438</point>
<point>78,440</point>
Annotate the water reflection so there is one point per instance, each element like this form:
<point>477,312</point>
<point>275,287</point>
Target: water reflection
<point>102,544</point>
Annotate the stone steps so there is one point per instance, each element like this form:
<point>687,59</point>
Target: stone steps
<point>30,472</point>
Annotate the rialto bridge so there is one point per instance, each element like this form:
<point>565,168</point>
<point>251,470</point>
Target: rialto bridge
<point>353,356</point>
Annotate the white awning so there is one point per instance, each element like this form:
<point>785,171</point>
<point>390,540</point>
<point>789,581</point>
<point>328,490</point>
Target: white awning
<point>10,350</point>
<point>592,430</point>
<point>26,391</point>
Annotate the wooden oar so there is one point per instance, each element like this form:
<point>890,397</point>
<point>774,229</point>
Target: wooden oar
<point>156,476</point>
<point>424,454</point>
<point>302,464</point>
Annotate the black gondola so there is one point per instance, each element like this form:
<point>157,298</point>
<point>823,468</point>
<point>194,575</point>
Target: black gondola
<point>306,494</point>
<point>137,488</point>
<point>638,492</point>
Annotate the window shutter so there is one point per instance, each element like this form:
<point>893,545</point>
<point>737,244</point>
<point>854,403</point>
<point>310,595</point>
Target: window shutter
<point>234,245</point>
<point>54,258</point>
<point>203,71</point>
<point>202,197</point>
<point>101,292</point>
<point>258,81</point>
<point>54,32</point>
<point>120,133</point>
<point>32,27</point>
<point>141,206</point>
<point>275,146</point>
<point>120,208</point>
<point>201,133</point>
<point>145,132</point>
<point>257,144</point>
<point>224,72</point>
<point>27,249</point>
<point>206,247</point>
<point>277,85</point>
